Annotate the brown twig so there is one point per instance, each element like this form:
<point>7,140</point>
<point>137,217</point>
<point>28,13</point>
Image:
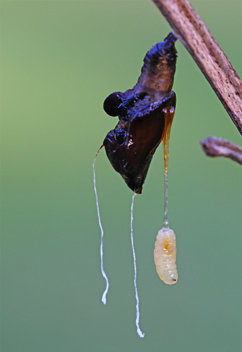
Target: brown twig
<point>214,146</point>
<point>195,36</point>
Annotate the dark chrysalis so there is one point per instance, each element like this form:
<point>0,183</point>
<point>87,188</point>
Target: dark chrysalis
<point>142,112</point>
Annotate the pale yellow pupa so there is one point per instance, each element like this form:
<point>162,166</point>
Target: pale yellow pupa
<point>165,256</point>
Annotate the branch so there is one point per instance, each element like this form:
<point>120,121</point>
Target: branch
<point>214,146</point>
<point>195,36</point>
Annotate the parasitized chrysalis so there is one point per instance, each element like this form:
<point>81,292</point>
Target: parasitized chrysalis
<point>145,114</point>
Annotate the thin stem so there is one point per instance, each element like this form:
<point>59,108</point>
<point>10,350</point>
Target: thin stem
<point>214,146</point>
<point>195,36</point>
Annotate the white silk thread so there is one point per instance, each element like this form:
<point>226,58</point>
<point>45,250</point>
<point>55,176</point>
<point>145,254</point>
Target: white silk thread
<point>139,332</point>
<point>104,300</point>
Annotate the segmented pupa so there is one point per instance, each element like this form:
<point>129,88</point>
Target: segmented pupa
<point>165,256</point>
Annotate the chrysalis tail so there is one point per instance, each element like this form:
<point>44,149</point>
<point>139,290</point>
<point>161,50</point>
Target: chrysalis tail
<point>139,332</point>
<point>101,228</point>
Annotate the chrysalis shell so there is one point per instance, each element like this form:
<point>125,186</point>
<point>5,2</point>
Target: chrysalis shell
<point>165,256</point>
<point>131,145</point>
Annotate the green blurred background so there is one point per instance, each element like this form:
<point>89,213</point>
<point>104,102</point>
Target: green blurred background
<point>59,60</point>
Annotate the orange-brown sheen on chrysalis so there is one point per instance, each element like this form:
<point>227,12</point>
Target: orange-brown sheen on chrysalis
<point>165,256</point>
<point>142,112</point>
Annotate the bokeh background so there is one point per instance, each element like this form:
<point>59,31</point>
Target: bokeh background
<point>59,60</point>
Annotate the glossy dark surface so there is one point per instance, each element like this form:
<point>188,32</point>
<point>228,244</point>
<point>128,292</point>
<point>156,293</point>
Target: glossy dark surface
<point>131,145</point>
